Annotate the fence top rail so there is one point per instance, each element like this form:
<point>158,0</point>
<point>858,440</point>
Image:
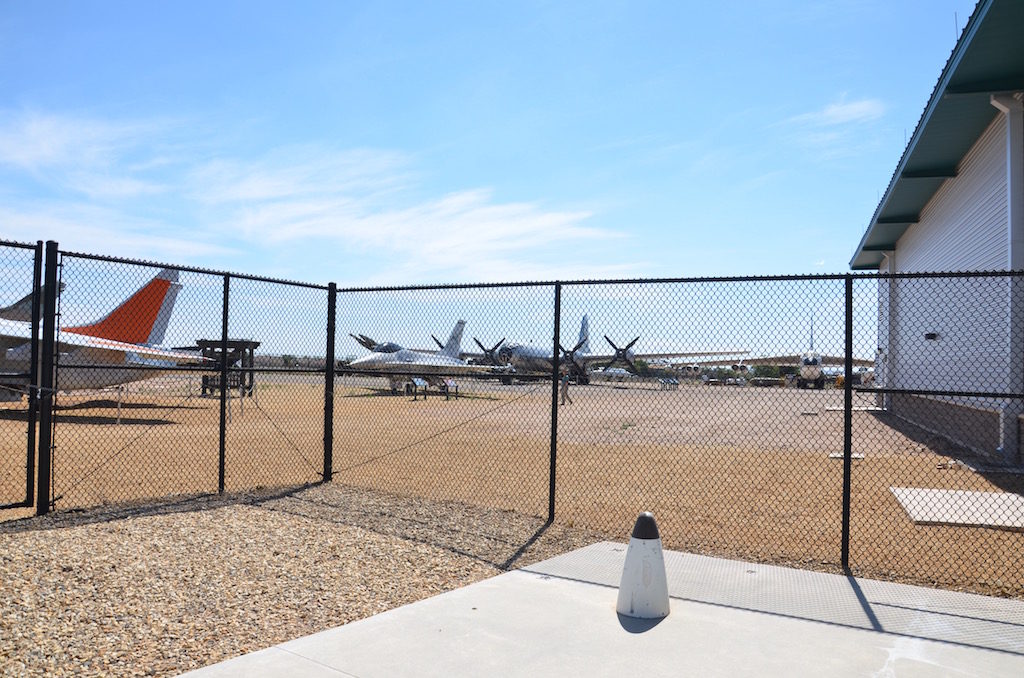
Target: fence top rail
<point>19,245</point>
<point>191,269</point>
<point>570,283</point>
<point>540,283</point>
<point>720,279</point>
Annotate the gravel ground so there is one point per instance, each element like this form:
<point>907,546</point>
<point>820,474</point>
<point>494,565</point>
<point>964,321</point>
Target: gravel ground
<point>160,589</point>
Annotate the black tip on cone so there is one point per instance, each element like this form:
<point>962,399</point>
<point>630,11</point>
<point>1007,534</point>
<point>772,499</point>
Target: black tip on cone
<point>646,527</point>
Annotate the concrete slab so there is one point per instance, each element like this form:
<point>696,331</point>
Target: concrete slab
<point>961,507</point>
<point>728,618</point>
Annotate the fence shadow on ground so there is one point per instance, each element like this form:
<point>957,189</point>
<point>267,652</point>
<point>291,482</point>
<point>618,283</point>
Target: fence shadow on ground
<point>1010,479</point>
<point>499,539</point>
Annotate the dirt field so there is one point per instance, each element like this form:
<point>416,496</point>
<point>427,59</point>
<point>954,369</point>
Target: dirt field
<point>738,472</point>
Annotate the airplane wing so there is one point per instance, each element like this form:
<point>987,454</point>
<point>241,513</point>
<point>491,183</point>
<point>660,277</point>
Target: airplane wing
<point>139,354</point>
<point>16,337</point>
<point>686,354</point>
<point>792,359</point>
<point>625,355</point>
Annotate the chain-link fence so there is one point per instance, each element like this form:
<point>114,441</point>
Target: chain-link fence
<point>20,279</point>
<point>867,422</point>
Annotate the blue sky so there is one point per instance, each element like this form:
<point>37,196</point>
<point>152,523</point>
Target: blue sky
<point>373,143</point>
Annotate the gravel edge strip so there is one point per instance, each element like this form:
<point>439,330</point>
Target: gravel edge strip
<point>159,589</point>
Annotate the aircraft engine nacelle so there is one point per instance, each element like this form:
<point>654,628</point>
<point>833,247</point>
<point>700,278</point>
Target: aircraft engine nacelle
<point>739,367</point>
<point>504,355</point>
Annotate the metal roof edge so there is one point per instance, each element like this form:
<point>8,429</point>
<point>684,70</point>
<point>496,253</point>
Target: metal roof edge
<point>966,36</point>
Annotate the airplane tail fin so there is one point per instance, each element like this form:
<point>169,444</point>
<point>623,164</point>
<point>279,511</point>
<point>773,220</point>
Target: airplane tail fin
<point>584,338</point>
<point>454,344</point>
<point>21,310</point>
<point>142,318</point>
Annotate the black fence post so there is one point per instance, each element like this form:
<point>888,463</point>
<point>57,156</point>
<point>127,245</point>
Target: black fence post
<point>33,378</point>
<point>332,296</point>
<point>847,423</point>
<point>45,384</point>
<point>555,360</point>
<point>223,385</point>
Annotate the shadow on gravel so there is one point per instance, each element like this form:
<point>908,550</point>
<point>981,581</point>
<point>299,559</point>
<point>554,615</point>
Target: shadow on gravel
<point>113,512</point>
<point>500,539</point>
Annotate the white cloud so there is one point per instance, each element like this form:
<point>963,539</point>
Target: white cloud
<point>842,113</point>
<point>838,130</point>
<point>297,172</point>
<point>135,189</point>
<point>97,230</point>
<point>36,141</point>
<point>100,187</point>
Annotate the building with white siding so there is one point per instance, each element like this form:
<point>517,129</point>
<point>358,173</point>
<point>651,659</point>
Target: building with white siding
<point>956,203</point>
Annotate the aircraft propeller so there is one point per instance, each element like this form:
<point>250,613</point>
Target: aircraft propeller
<point>571,355</point>
<point>622,353</point>
<point>489,354</point>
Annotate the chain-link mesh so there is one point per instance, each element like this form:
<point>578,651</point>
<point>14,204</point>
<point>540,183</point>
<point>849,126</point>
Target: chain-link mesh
<point>125,426</point>
<point>139,377</point>
<point>704,424</point>
<point>275,426</point>
<point>477,435</point>
<point>17,263</point>
<point>937,479</point>
<point>720,405</point>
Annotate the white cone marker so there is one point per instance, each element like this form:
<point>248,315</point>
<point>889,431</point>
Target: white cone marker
<point>643,591</point>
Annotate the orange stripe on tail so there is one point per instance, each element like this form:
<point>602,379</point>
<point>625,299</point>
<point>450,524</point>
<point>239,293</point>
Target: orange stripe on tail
<point>131,322</point>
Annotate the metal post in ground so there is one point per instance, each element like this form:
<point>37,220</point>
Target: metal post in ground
<point>46,379</point>
<point>332,295</point>
<point>223,385</point>
<point>847,424</point>
<point>555,360</point>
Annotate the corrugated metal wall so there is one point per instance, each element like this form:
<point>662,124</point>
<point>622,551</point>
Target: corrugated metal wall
<point>964,227</point>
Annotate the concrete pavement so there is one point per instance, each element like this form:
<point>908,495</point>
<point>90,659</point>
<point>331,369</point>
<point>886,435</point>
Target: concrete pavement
<point>728,618</point>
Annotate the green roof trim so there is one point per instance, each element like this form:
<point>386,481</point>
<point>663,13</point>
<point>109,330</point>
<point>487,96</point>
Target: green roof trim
<point>987,59</point>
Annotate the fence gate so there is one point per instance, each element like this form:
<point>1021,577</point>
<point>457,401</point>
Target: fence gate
<point>20,303</point>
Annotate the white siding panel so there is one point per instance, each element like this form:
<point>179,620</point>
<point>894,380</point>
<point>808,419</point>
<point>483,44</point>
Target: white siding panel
<point>969,317</point>
<point>882,377</point>
<point>964,226</point>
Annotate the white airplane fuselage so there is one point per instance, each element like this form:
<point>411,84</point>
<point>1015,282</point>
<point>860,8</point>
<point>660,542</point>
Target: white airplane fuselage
<point>400,365</point>
<point>89,356</point>
<point>413,362</point>
<point>810,372</point>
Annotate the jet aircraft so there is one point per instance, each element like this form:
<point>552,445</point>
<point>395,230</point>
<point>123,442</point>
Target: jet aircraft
<point>127,337</point>
<point>814,369</point>
<point>399,365</point>
<point>21,310</point>
<point>528,360</point>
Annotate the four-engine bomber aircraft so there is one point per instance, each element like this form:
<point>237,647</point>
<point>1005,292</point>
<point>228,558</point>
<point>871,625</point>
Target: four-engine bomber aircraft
<point>126,337</point>
<point>399,365</point>
<point>529,360</point>
<point>814,369</point>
